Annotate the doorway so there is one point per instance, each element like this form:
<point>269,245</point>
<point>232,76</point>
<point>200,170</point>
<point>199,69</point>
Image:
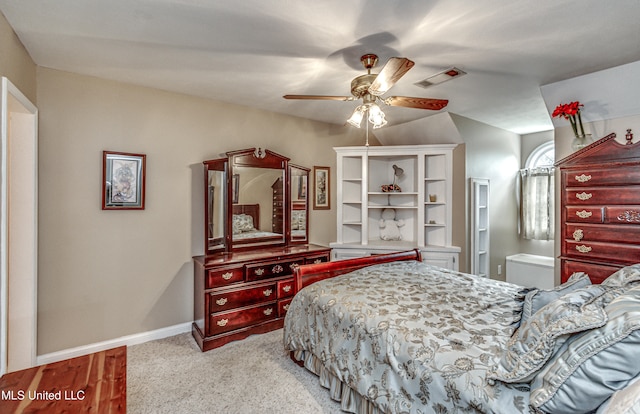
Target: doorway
<point>18,229</point>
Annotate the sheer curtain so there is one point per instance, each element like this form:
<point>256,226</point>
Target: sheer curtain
<point>536,203</point>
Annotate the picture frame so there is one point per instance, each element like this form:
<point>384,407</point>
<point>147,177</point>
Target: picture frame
<point>123,180</point>
<point>321,188</point>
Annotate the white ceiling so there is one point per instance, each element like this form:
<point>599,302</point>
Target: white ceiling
<point>251,52</point>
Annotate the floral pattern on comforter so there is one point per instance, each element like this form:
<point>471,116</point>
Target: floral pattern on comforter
<point>412,338</point>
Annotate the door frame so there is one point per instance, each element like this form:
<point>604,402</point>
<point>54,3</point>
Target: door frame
<point>19,305</point>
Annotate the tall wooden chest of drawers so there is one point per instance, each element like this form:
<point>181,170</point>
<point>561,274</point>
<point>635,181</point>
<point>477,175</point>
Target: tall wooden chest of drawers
<point>243,293</point>
<point>600,209</point>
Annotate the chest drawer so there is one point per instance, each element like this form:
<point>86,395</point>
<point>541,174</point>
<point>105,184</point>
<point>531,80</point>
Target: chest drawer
<point>603,195</point>
<point>278,268</point>
<point>597,272</point>
<point>622,214</point>
<point>612,252</point>
<point>597,177</point>
<point>230,299</point>
<point>229,321</point>
<point>602,232</point>
<point>576,214</point>
<point>223,276</point>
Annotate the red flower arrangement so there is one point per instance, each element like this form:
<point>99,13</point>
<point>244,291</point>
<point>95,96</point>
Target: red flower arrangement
<point>571,111</point>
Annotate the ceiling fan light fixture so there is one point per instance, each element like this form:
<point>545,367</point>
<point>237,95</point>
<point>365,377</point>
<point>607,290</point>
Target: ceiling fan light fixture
<point>376,116</point>
<point>356,117</point>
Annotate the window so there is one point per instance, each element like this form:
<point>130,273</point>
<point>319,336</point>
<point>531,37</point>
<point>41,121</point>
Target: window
<point>536,191</point>
<point>543,156</point>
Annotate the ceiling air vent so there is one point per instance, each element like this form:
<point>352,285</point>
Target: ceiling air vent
<point>440,77</point>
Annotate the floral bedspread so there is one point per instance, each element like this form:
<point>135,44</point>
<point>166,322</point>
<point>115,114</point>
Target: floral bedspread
<point>410,337</point>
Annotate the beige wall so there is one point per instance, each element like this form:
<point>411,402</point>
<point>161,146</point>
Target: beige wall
<point>105,274</point>
<point>15,62</point>
<point>494,153</point>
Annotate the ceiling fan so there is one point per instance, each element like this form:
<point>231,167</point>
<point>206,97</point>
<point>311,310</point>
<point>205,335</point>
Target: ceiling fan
<point>372,86</point>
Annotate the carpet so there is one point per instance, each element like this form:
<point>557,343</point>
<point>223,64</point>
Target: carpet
<point>254,375</point>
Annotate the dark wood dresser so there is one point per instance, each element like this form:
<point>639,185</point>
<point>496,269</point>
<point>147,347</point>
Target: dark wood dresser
<point>600,208</point>
<point>237,294</point>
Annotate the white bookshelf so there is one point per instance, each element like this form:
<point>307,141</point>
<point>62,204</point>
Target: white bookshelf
<point>361,171</point>
<point>479,191</point>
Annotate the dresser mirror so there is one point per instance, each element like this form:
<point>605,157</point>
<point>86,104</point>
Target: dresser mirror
<point>215,213</point>
<point>299,204</point>
<point>246,199</point>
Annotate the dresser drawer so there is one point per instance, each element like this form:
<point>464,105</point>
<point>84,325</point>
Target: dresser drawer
<point>602,232</point>
<point>603,195</point>
<point>222,277</point>
<point>611,252</point>
<point>265,270</point>
<point>597,272</point>
<point>576,214</point>
<point>283,307</point>
<point>230,299</point>
<point>597,177</point>
<point>319,258</point>
<point>285,288</point>
<point>229,321</point>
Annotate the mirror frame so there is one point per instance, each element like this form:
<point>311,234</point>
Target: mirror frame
<point>304,171</point>
<point>255,158</point>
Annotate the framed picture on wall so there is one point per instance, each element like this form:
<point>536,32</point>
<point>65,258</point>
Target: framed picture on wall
<point>123,180</point>
<point>321,190</point>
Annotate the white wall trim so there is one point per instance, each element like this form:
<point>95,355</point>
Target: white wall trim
<point>128,340</point>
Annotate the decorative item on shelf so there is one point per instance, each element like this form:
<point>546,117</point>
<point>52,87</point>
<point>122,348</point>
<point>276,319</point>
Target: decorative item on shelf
<point>571,111</point>
<point>389,226</point>
<point>390,188</point>
<point>433,198</point>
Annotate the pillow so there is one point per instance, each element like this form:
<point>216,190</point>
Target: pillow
<point>536,299</point>
<point>624,400</point>
<point>242,223</point>
<point>538,338</point>
<point>628,276</point>
<point>592,365</point>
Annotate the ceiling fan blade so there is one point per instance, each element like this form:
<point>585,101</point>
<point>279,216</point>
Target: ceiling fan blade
<point>392,71</point>
<point>321,97</point>
<point>420,103</point>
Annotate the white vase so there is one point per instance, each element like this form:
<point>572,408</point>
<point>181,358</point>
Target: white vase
<point>581,141</point>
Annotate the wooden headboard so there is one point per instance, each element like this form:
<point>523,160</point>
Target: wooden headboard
<point>252,210</point>
<point>307,274</point>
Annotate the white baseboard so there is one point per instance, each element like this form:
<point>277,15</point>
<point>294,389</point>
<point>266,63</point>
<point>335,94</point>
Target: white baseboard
<point>128,340</point>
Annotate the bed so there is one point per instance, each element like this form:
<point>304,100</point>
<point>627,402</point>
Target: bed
<point>391,334</point>
<point>246,225</point>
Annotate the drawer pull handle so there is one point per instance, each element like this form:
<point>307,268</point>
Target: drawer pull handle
<point>277,269</point>
<point>578,235</point>
<point>584,196</point>
<point>259,271</point>
<point>268,311</point>
<point>583,178</point>
<point>267,292</point>
<point>221,301</point>
<point>630,216</point>
<point>222,322</point>
<point>227,276</point>
<point>294,266</point>
<point>286,307</point>
<point>583,249</point>
<point>584,214</point>
<point>287,288</point>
